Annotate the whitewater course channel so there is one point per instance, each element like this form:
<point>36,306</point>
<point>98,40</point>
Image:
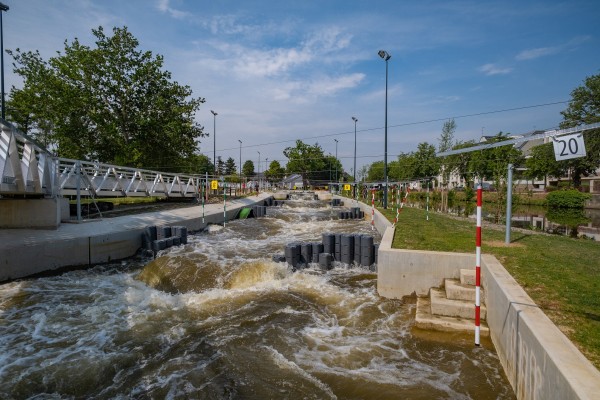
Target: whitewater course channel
<point>217,318</point>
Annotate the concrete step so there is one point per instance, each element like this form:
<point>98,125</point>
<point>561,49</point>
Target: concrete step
<point>425,320</point>
<point>440,305</point>
<point>457,291</point>
<point>467,276</point>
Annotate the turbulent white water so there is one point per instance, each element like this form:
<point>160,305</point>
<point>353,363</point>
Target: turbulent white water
<point>218,319</point>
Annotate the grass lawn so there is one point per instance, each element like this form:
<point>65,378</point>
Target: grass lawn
<point>561,274</point>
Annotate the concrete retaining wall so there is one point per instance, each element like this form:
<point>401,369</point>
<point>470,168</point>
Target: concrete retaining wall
<point>539,360</point>
<point>33,213</point>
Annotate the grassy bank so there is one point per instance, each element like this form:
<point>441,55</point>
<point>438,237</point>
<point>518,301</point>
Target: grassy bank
<point>562,275</point>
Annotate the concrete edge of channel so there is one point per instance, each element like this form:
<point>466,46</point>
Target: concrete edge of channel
<point>28,252</point>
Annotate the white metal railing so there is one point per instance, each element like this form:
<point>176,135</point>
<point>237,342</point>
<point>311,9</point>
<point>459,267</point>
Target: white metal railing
<point>27,168</point>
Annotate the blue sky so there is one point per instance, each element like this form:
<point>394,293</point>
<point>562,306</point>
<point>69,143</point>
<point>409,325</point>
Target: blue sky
<point>277,71</point>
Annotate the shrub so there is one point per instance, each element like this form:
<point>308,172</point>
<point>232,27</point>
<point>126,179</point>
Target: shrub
<point>567,199</point>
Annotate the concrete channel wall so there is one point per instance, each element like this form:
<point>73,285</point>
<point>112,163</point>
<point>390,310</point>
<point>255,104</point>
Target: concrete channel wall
<point>25,252</point>
<point>538,359</point>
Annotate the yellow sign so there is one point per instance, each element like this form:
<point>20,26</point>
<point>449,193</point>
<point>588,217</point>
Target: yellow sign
<point>214,184</point>
<point>346,187</point>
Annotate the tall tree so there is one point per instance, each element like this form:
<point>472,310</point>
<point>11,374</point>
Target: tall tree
<point>584,108</point>
<point>446,141</point>
<point>248,168</point>
<point>220,166</point>
<point>275,171</point>
<point>112,102</point>
<point>426,163</point>
<point>230,167</point>
<point>310,162</point>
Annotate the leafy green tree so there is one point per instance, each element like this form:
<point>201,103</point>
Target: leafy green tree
<point>493,163</point>
<point>461,162</point>
<point>542,163</point>
<point>584,108</point>
<point>112,102</point>
<point>196,164</point>
<point>248,168</point>
<point>230,167</point>
<point>404,168</point>
<point>220,166</point>
<point>310,162</point>
<point>328,174</point>
<point>375,172</point>
<point>275,171</point>
<point>446,141</point>
<point>426,163</point>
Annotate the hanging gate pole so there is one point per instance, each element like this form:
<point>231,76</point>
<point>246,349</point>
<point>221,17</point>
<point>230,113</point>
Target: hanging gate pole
<point>478,266</point>
<point>372,209</point>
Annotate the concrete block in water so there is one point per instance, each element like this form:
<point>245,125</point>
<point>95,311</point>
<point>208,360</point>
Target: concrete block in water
<point>328,243</point>
<point>325,261</point>
<point>306,253</point>
<point>317,248</point>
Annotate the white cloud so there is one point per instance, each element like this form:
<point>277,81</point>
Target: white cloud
<point>493,69</point>
<point>532,54</point>
<point>164,6</point>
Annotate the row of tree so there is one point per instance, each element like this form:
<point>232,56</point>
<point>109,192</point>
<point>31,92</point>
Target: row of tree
<point>492,164</point>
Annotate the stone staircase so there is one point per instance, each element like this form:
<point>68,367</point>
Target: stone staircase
<point>452,308</point>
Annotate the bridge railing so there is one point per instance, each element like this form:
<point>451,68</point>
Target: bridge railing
<point>26,168</point>
<point>106,180</point>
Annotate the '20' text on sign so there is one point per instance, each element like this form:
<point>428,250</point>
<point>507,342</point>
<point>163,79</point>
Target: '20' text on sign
<point>568,146</point>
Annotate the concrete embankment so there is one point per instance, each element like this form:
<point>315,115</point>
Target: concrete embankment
<point>25,252</point>
<point>538,359</point>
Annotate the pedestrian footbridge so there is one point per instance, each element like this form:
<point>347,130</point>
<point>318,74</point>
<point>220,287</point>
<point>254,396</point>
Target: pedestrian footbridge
<point>29,170</point>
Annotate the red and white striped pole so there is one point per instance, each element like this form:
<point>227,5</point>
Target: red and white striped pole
<point>372,209</point>
<point>478,267</point>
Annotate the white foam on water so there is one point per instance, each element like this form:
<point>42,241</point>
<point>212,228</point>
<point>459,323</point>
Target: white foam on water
<point>284,363</point>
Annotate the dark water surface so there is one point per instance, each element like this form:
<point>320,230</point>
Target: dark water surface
<point>217,319</point>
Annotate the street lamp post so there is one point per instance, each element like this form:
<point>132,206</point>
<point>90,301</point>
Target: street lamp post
<point>385,56</point>
<point>214,142</point>
<point>258,169</point>
<point>336,163</point>
<point>354,170</point>
<point>3,8</point>
<point>240,158</point>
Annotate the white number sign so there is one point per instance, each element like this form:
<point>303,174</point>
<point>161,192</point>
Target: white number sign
<point>569,146</point>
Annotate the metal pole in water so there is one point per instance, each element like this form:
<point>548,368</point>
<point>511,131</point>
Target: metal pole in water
<point>509,203</point>
<point>478,265</point>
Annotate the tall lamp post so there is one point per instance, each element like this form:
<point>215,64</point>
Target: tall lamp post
<point>336,162</point>
<point>354,170</point>
<point>240,158</point>
<point>385,56</point>
<point>3,7</point>
<point>214,142</point>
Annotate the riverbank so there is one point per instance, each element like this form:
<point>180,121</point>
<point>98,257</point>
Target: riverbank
<point>561,274</point>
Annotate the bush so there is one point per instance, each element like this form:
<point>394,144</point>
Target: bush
<point>567,199</point>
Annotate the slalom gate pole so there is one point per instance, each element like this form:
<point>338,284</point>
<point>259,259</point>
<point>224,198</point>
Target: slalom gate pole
<point>372,209</point>
<point>427,201</point>
<point>224,202</point>
<point>397,205</point>
<point>478,266</point>
<point>203,185</point>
